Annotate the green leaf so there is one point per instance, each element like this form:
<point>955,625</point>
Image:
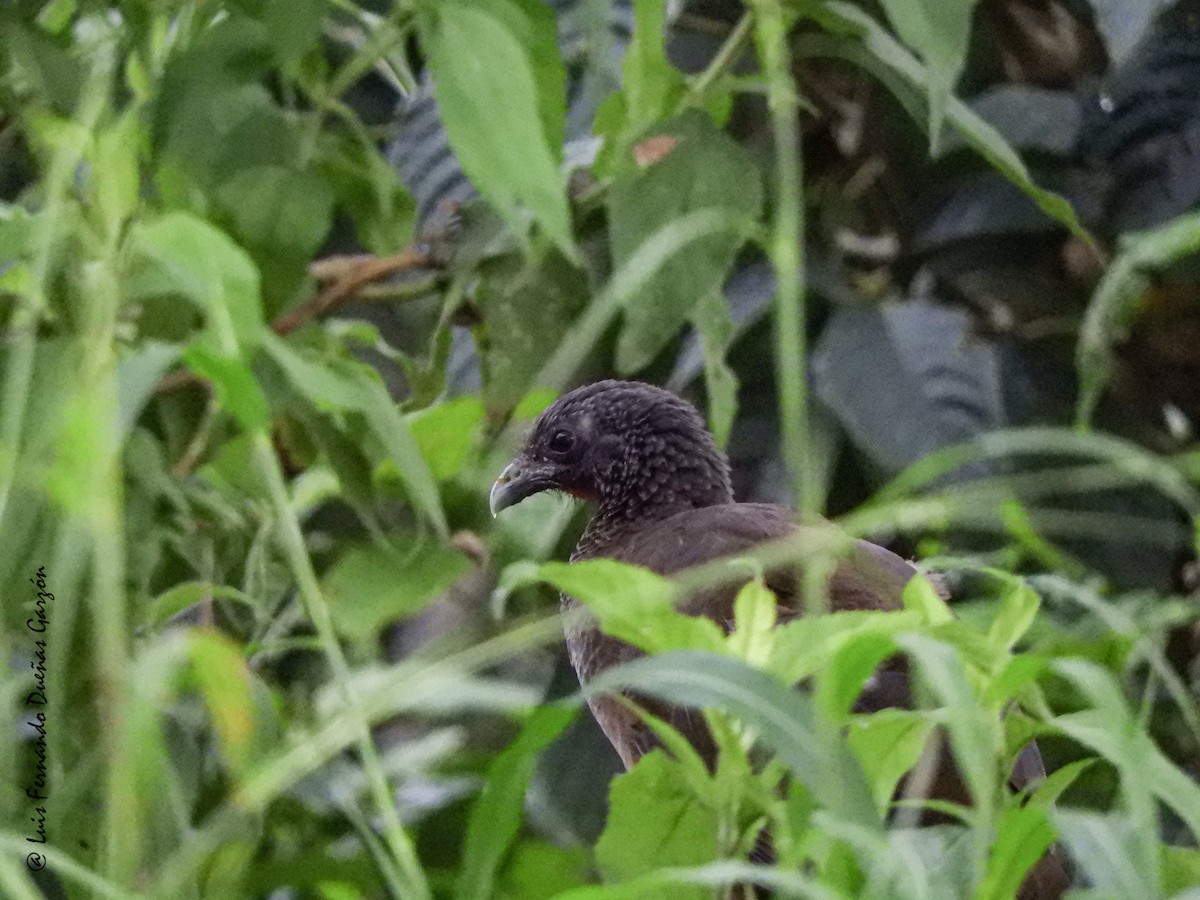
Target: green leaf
<point>527,305</point>
<point>358,388</point>
<point>753,636</point>
<point>496,815</point>
<point>281,211</point>
<point>785,720</point>
<point>1181,871</point>
<point>220,671</point>
<point>446,434</point>
<point>974,733</point>
<point>940,33</point>
<point>233,383</point>
<point>1018,609</point>
<point>1120,297</point>
<point>1111,850</point>
<point>705,169</point>
<point>921,598</point>
<point>180,597</point>
<point>139,371</point>
<point>540,871</point>
<point>369,190</point>
<point>805,645</point>
<point>722,874</point>
<point>1023,834</point>
<point>115,170</point>
<point>371,586</point>
<point>192,258</point>
<point>633,605</point>
<point>654,821</point>
<point>650,89</point>
<point>841,679</point>
<point>1109,729</point>
<point>888,744</point>
<point>516,89</point>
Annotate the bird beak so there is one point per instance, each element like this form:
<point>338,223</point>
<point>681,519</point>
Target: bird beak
<point>518,481</point>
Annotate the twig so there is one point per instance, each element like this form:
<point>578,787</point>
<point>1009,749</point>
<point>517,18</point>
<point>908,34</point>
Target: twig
<point>351,274</point>
<point>360,272</point>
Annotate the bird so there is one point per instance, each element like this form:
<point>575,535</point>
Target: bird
<point>664,500</point>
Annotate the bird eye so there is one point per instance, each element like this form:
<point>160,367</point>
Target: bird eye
<point>561,442</point>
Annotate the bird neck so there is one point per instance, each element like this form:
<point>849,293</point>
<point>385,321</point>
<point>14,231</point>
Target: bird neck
<point>677,478</point>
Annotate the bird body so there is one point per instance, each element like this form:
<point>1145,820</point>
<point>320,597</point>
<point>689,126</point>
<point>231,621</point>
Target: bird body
<point>664,502</point>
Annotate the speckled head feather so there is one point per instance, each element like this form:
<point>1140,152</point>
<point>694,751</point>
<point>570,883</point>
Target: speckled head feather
<point>639,451</point>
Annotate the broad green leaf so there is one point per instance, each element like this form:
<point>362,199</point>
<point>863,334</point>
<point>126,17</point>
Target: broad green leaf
<point>284,212</point>
<point>785,720</point>
<point>516,89</point>
<point>537,870</point>
<point>338,890</point>
<point>665,883</point>
<point>650,89</point>
<point>496,815</point>
<point>654,821</point>
<point>633,605</point>
<point>17,226</point>
<point>371,586</point>
<point>888,744</point>
<point>526,305</point>
<point>220,671</point>
<point>1120,297</point>
<point>1023,834</point>
<point>703,169</point>
<point>393,432</point>
<point>939,31</point>
<point>446,433</point>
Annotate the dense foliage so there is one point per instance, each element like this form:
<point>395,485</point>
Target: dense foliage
<point>282,282</point>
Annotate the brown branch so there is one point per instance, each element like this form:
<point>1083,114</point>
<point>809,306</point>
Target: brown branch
<point>352,274</point>
<point>345,277</point>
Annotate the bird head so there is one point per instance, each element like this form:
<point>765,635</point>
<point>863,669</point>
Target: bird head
<point>622,444</point>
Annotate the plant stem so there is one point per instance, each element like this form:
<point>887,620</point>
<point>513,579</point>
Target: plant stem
<point>414,884</point>
<point>785,250</point>
<point>723,61</point>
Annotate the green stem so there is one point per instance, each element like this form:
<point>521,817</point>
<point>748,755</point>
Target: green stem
<point>414,884</point>
<point>308,750</point>
<point>785,250</point>
<point>723,61</point>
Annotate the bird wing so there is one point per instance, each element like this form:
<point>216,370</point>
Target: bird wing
<point>867,577</point>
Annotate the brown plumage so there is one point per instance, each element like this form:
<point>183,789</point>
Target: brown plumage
<point>664,502</point>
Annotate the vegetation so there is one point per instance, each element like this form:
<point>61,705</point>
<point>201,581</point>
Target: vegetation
<point>256,387</point>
